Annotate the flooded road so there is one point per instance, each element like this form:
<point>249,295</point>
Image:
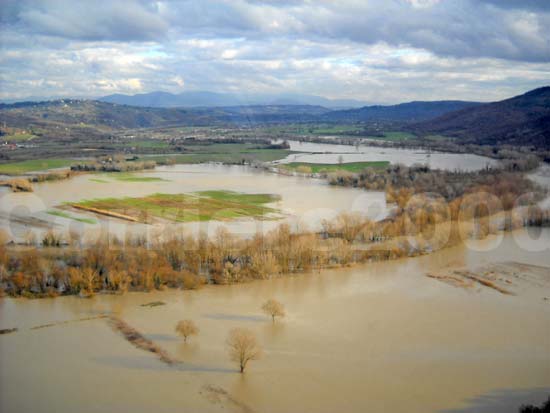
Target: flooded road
<point>380,337</point>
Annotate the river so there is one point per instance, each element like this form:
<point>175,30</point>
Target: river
<point>380,337</point>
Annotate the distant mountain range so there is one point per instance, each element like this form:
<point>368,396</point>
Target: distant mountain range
<point>213,99</point>
<point>521,120</point>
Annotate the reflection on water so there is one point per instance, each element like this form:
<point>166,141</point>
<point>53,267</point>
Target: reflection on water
<point>380,337</point>
<point>235,317</point>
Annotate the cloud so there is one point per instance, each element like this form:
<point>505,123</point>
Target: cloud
<point>178,81</point>
<point>378,50</point>
<point>121,20</point>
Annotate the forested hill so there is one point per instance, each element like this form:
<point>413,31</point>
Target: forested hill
<point>404,112</point>
<point>105,114</point>
<point>521,120</point>
<point>93,113</point>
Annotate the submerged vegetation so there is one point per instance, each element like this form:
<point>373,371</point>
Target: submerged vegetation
<point>243,347</point>
<point>66,215</point>
<point>186,329</point>
<point>420,223</point>
<point>450,185</point>
<point>139,340</point>
<point>273,308</point>
<point>17,185</point>
<point>126,177</point>
<point>199,206</point>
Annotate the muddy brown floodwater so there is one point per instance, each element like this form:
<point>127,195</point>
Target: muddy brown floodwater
<point>303,200</point>
<point>381,337</point>
<point>331,153</point>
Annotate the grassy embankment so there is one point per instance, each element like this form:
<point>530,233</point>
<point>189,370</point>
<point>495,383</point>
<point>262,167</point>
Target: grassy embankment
<point>199,206</point>
<point>355,167</point>
<point>23,167</point>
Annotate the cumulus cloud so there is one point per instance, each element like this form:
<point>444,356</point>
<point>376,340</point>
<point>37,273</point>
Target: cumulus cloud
<point>377,50</point>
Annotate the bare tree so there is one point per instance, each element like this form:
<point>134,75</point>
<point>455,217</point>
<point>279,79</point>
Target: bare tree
<point>187,328</point>
<point>273,308</point>
<point>243,346</point>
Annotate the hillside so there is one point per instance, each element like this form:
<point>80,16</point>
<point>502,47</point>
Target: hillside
<point>521,120</point>
<point>404,112</point>
<point>89,113</point>
<point>214,99</point>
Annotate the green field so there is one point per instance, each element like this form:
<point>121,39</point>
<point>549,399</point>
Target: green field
<point>231,153</point>
<point>23,167</point>
<point>149,144</point>
<point>197,206</point>
<point>62,214</point>
<point>334,167</point>
<point>319,129</point>
<point>333,129</point>
<point>19,137</point>
<point>394,136</point>
<point>128,177</point>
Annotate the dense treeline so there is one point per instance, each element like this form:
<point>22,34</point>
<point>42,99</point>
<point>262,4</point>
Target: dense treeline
<point>513,158</point>
<point>421,223</point>
<point>116,163</point>
<point>448,184</point>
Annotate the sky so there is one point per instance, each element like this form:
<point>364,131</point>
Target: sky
<point>380,51</point>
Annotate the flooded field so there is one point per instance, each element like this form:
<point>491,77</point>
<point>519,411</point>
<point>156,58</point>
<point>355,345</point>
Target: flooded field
<point>329,153</point>
<point>382,337</point>
<point>302,200</point>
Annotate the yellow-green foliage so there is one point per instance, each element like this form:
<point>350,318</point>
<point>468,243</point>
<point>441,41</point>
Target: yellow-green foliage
<point>199,206</point>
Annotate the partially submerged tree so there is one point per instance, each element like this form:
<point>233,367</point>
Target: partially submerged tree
<point>243,347</point>
<point>273,308</point>
<point>187,328</point>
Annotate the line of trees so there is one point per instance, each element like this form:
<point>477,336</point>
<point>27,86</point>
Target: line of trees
<point>513,158</point>
<point>420,223</point>
<point>115,163</point>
